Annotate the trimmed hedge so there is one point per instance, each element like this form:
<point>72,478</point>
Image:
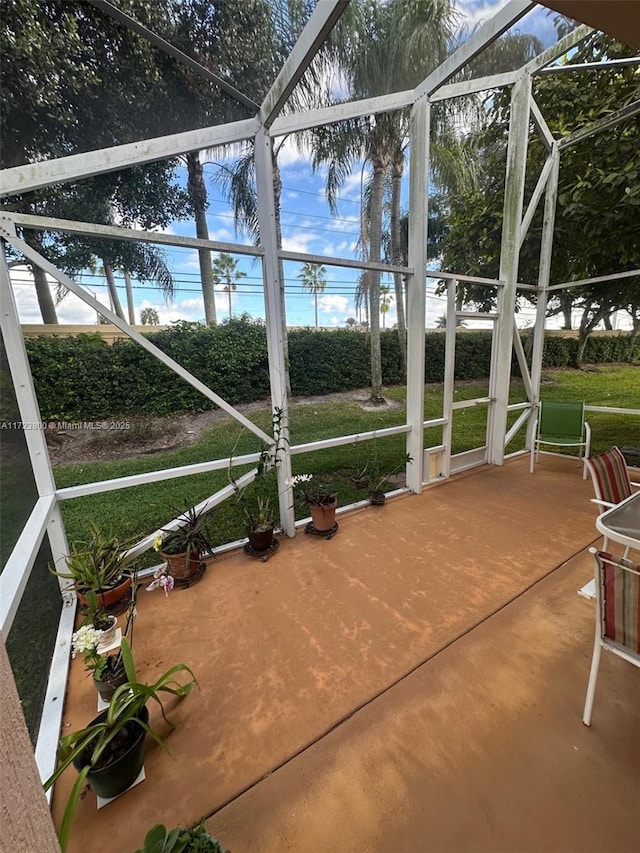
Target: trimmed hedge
<point>83,378</point>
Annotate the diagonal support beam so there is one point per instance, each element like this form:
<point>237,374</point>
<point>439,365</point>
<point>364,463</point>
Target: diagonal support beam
<point>22,179</point>
<point>483,37</point>
<point>166,47</point>
<point>556,50</point>
<point>535,198</point>
<point>81,293</point>
<point>117,232</point>
<point>311,39</point>
<point>541,126</point>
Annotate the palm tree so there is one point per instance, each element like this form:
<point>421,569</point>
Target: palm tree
<point>225,272</point>
<point>314,281</point>
<point>381,48</point>
<point>385,301</point>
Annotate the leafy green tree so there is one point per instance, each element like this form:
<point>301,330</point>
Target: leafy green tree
<point>314,281</point>
<point>598,193</point>
<point>74,80</point>
<point>226,275</point>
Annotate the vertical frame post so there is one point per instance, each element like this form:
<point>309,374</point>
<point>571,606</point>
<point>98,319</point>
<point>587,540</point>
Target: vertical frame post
<point>449,374</point>
<point>274,319</point>
<point>29,410</point>
<point>509,261</point>
<point>419,130</point>
<point>546,250</point>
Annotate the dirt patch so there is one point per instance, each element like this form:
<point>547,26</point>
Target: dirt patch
<point>122,438</point>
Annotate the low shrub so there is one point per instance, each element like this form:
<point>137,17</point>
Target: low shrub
<point>83,378</point>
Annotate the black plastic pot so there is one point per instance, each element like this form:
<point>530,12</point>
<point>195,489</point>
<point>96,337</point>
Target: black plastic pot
<point>107,687</point>
<point>260,540</point>
<point>116,777</point>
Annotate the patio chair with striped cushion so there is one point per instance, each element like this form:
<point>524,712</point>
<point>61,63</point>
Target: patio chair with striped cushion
<point>617,616</point>
<point>610,476</point>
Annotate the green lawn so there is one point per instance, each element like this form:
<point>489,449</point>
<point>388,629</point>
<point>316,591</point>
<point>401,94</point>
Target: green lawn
<point>140,510</point>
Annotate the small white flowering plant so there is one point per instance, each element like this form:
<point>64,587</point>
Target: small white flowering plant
<point>85,642</point>
<point>319,494</point>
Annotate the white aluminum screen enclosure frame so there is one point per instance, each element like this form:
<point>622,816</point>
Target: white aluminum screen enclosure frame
<point>262,128</point>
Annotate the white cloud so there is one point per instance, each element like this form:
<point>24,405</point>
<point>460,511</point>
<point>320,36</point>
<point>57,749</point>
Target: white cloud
<point>71,310</point>
<point>329,302</point>
<point>297,241</point>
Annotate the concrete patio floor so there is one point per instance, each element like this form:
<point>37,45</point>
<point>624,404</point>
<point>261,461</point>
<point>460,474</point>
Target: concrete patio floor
<point>415,683</point>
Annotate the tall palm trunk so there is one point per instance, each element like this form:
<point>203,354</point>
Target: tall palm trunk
<point>43,291</point>
<point>315,297</point>
<point>229,292</point>
<point>198,195</point>
<point>396,254</point>
<point>377,191</point>
<point>113,290</point>
<point>131,310</point>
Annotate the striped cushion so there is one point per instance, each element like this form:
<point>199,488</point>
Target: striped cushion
<point>621,602</point>
<point>610,476</point>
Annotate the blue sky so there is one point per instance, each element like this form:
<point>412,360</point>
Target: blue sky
<point>307,226</point>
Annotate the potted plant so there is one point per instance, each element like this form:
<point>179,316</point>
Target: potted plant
<point>257,501</point>
<point>196,839</point>
<point>322,501</point>
<point>108,670</point>
<point>97,617</point>
<point>183,548</point>
<point>109,752</point>
<point>101,566</point>
<point>377,496</point>
<point>90,641</point>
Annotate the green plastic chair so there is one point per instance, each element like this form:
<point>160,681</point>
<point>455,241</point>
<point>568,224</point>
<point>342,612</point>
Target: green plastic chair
<point>561,425</point>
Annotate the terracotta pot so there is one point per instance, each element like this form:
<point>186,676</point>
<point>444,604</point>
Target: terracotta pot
<point>109,597</point>
<point>260,540</point>
<point>323,515</point>
<point>178,566</point>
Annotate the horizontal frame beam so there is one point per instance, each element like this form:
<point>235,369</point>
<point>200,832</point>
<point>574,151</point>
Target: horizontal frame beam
<point>22,179</point>
<point>327,443</point>
<point>342,262</point>
<point>116,232</point>
<point>596,280</point>
<point>100,486</point>
<point>473,279</point>
<point>591,66</point>
<point>475,85</point>
<point>341,112</point>
<point>622,114</point>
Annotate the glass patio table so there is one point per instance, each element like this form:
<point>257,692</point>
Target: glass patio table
<point>621,523</point>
